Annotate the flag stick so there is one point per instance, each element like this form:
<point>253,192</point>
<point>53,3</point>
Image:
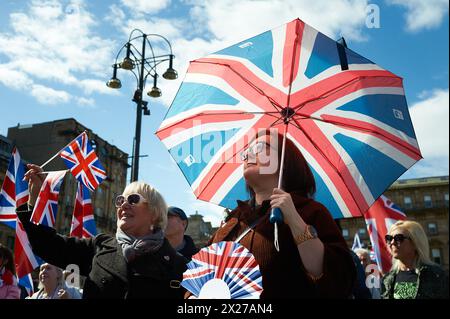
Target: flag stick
<point>59,152</point>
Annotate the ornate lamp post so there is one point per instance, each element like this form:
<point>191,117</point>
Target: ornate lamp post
<point>145,66</point>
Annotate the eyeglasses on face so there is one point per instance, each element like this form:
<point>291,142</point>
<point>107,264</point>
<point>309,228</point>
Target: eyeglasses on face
<point>254,150</point>
<point>399,238</point>
<point>132,199</point>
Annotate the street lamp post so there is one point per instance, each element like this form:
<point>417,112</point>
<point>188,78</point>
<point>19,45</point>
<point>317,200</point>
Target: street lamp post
<point>146,66</point>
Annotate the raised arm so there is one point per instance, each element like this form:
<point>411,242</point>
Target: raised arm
<point>45,242</point>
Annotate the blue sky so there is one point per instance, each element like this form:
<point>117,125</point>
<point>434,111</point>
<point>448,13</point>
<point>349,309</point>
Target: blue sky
<point>55,57</point>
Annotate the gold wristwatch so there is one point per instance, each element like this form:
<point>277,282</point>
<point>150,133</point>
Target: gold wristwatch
<point>309,233</point>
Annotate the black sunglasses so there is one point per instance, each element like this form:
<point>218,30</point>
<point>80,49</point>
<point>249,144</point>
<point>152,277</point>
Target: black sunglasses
<point>132,199</point>
<point>399,238</point>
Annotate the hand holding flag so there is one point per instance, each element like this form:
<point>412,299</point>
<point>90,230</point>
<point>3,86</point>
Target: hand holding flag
<point>80,158</point>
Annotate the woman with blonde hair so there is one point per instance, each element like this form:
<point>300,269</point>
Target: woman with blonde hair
<point>51,284</point>
<point>137,262</point>
<point>413,275</point>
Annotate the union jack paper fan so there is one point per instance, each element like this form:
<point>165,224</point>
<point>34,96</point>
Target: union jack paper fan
<point>223,270</point>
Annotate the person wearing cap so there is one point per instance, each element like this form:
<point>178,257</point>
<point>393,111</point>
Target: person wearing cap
<point>177,224</point>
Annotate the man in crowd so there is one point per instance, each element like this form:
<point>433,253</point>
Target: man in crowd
<point>175,233</point>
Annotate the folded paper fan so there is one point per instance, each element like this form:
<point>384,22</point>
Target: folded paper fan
<point>223,270</point>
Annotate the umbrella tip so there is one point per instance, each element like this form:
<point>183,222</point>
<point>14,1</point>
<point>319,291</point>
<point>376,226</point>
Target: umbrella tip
<point>342,42</point>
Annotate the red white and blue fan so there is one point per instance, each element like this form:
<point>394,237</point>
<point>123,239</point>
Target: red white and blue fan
<point>223,270</point>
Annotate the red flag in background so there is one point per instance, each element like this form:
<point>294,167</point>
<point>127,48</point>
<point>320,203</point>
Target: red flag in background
<point>379,219</point>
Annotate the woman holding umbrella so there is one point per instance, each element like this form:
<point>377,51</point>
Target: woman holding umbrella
<point>313,261</point>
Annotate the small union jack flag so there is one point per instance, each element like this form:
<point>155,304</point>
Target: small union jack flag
<point>83,163</point>
<point>379,219</point>
<point>14,192</point>
<point>83,223</point>
<point>228,261</point>
<point>47,203</point>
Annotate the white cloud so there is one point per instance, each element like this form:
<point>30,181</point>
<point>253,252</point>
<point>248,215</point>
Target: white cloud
<point>49,96</point>
<point>146,6</point>
<point>431,124</point>
<point>81,101</point>
<point>14,79</point>
<point>423,14</point>
<point>56,44</point>
<point>90,86</point>
<point>169,28</point>
<point>234,20</point>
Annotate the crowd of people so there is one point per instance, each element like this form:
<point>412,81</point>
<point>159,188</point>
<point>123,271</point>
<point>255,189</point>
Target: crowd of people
<point>147,256</point>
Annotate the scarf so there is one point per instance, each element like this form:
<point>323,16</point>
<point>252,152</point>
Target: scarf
<point>7,278</point>
<point>133,247</point>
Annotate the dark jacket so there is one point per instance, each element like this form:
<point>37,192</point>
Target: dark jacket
<point>360,290</point>
<point>432,283</point>
<point>100,259</point>
<point>189,248</point>
<point>283,273</point>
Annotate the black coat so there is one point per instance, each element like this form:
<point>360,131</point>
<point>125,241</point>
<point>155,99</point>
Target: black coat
<point>189,248</point>
<point>100,259</point>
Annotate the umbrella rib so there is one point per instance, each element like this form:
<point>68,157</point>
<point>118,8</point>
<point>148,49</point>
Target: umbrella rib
<point>360,129</point>
<point>294,52</point>
<point>326,158</point>
<point>274,103</point>
<point>328,93</point>
<point>215,114</point>
<point>233,155</point>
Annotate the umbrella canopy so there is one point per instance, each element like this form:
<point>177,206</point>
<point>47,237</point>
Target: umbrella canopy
<point>347,115</point>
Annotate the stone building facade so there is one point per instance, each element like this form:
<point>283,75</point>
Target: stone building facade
<point>425,200</point>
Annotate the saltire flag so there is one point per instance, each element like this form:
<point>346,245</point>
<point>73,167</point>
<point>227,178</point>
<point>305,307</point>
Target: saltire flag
<point>356,242</point>
<point>14,193</point>
<point>80,158</point>
<point>46,205</point>
<point>83,223</point>
<point>379,219</point>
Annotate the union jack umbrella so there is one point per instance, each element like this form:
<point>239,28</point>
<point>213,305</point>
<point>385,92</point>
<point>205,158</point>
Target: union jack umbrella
<point>80,158</point>
<point>347,115</point>
<point>46,206</point>
<point>83,223</point>
<point>379,219</point>
<point>228,262</point>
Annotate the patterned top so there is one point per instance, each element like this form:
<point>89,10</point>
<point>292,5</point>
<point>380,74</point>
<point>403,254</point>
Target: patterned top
<point>405,285</point>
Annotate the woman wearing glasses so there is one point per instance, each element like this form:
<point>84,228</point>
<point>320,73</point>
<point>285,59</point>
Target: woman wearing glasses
<point>313,260</point>
<point>135,263</point>
<point>413,275</point>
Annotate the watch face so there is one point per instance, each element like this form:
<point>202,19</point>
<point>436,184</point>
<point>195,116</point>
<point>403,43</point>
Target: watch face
<point>312,231</point>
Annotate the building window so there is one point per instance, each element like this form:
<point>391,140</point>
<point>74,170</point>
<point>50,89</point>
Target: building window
<point>432,229</point>
<point>408,202</point>
<point>446,199</point>
<point>436,255</point>
<point>345,233</point>
<point>427,201</point>
<point>362,232</point>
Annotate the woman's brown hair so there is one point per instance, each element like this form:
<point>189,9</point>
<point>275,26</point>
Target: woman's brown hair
<point>6,254</point>
<point>297,175</point>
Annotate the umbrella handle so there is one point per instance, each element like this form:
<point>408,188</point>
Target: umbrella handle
<point>276,216</point>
